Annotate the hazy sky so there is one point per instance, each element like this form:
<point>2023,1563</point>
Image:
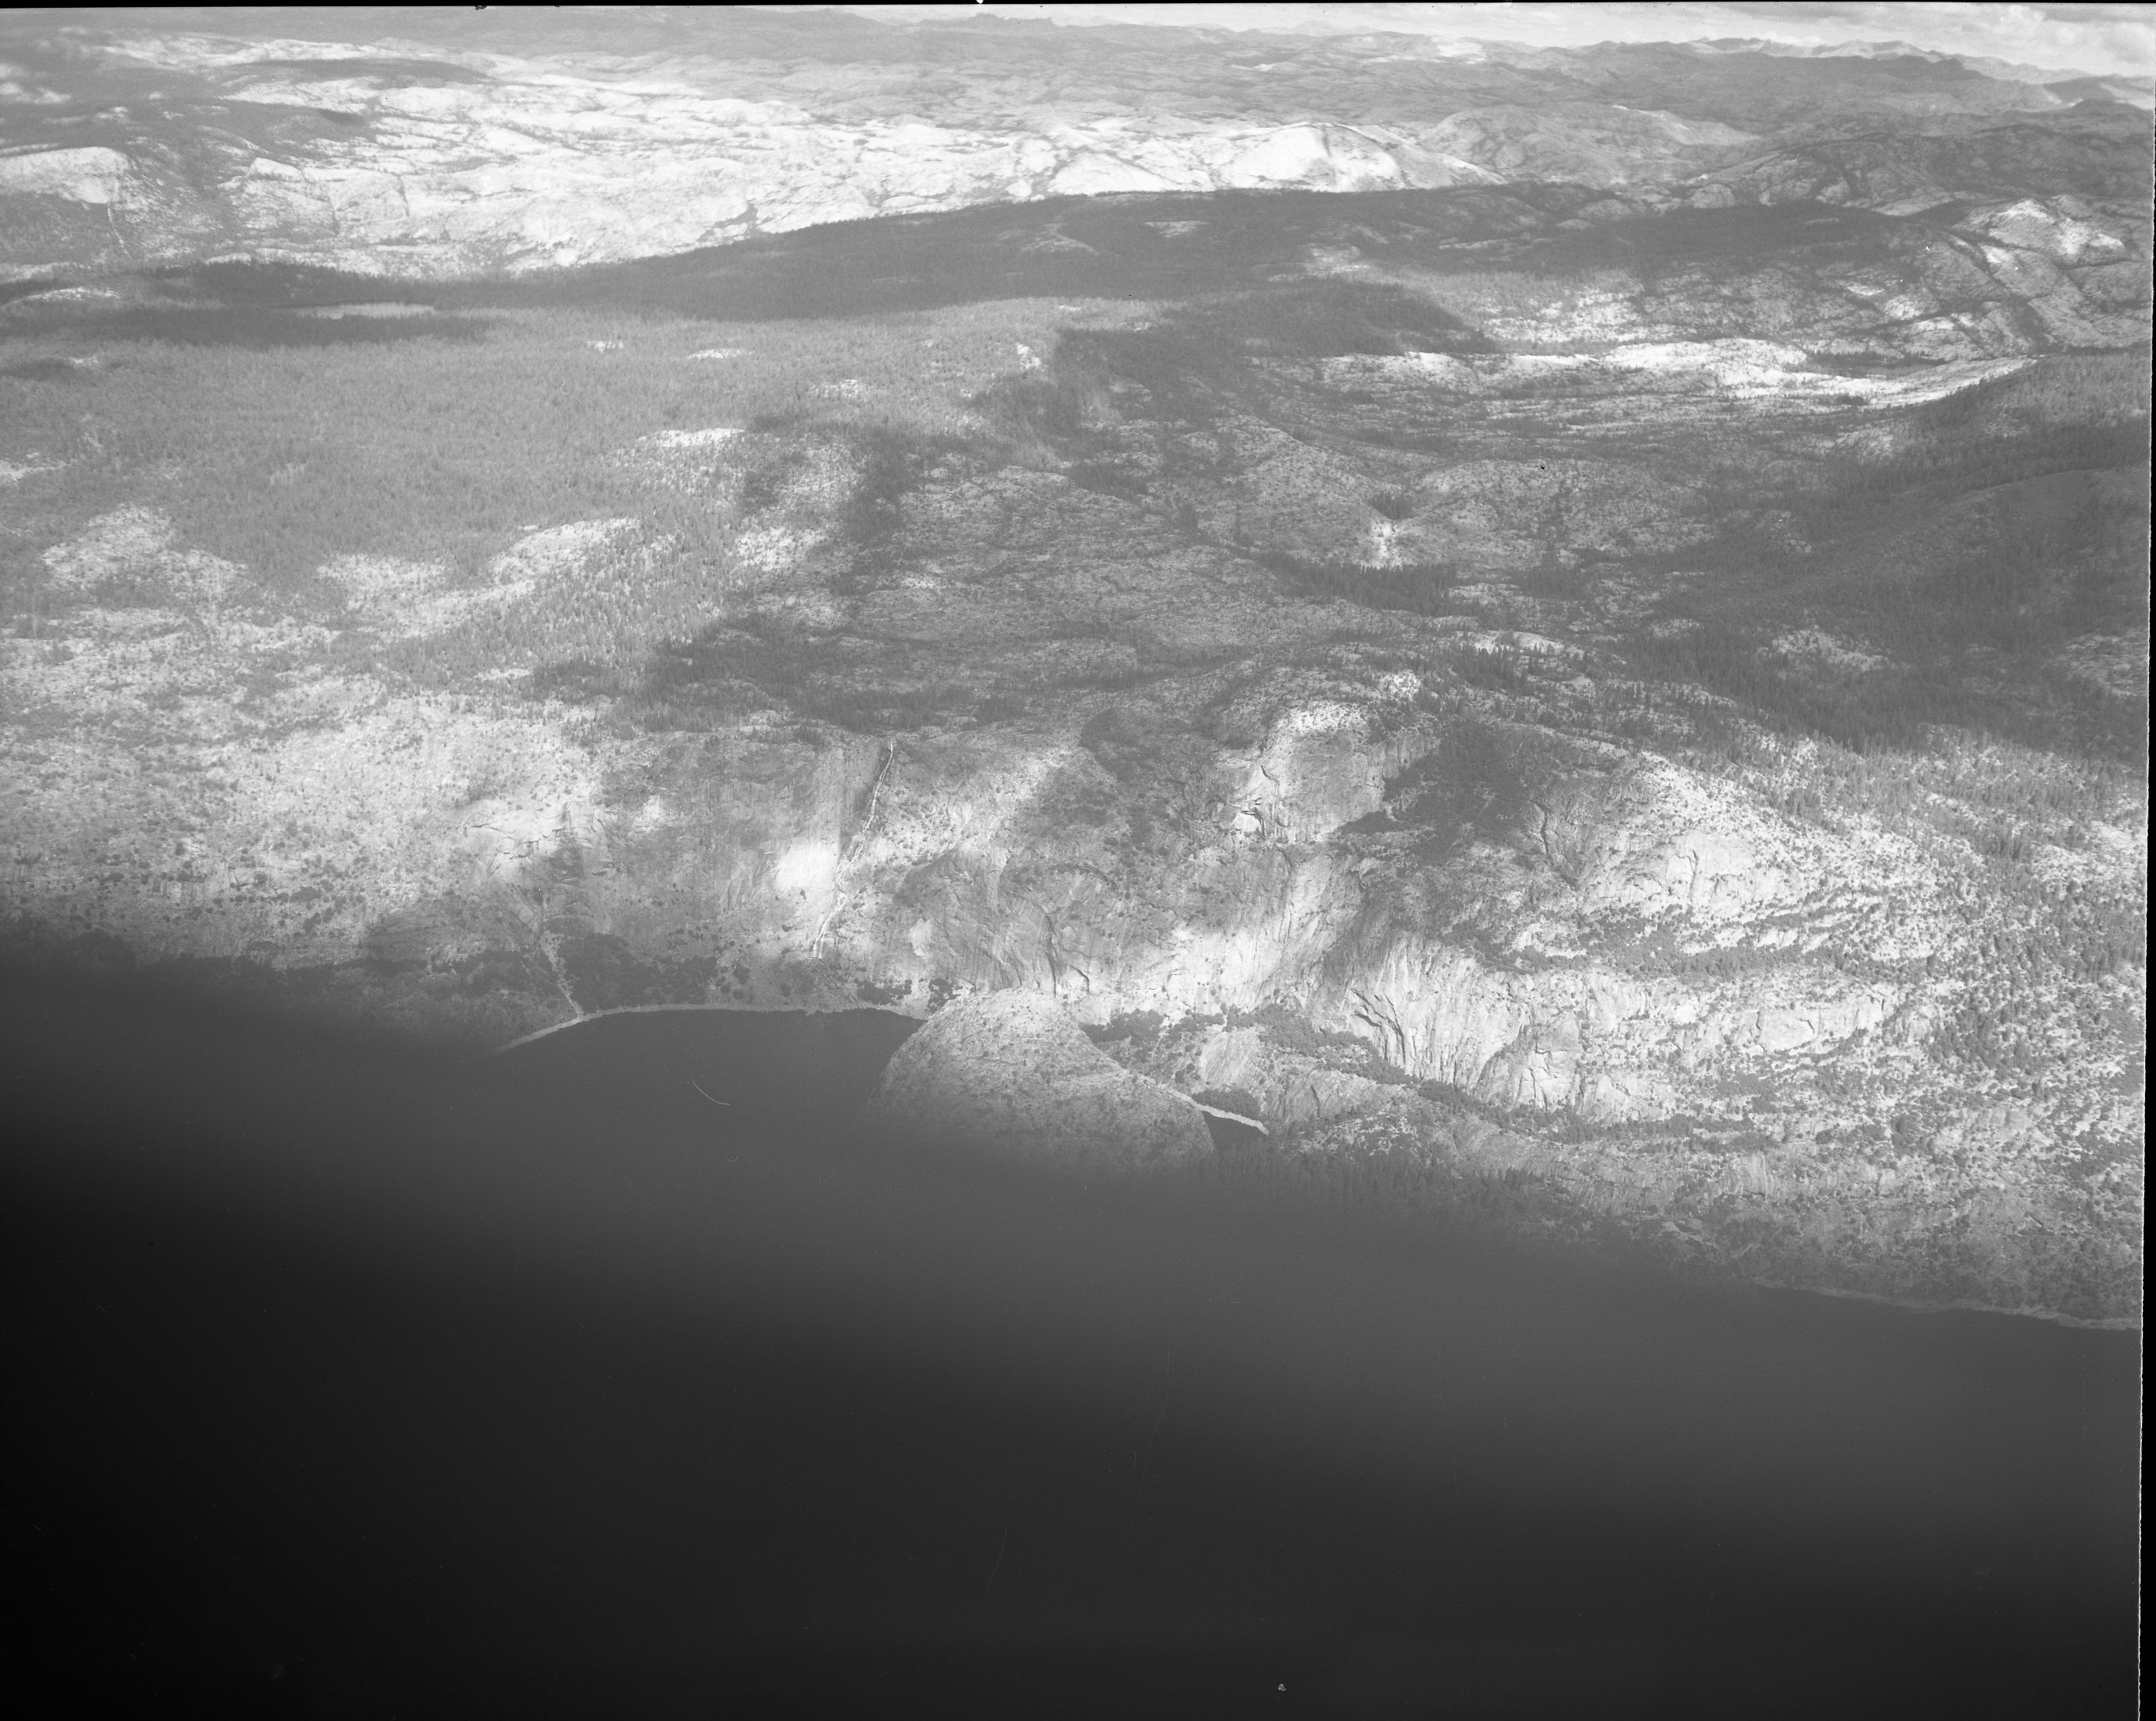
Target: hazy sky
<point>2081,39</point>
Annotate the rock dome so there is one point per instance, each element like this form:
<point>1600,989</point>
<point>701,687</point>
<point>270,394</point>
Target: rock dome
<point>1010,1072</point>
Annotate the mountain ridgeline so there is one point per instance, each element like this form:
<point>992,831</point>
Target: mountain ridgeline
<point>411,145</point>
<point>1596,673</point>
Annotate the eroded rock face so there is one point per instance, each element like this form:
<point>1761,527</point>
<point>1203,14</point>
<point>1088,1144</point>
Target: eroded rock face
<point>1008,1072</point>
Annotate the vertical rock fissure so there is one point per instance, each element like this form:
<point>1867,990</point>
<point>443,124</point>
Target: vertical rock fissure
<point>839,901</point>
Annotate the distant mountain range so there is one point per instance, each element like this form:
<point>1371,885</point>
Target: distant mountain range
<point>435,143</point>
<point>2119,87</point>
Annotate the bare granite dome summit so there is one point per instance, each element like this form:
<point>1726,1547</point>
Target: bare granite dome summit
<point>1008,1071</point>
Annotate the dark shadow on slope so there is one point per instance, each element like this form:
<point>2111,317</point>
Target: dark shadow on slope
<point>1163,247</point>
<point>286,286</point>
<point>1180,246</point>
<point>1989,531</point>
<point>10,291</point>
<point>45,371</point>
<point>1421,588</point>
<point>866,685</point>
<point>250,325</point>
<point>386,69</point>
<point>1204,358</point>
<point>346,1384</point>
<point>1477,783</point>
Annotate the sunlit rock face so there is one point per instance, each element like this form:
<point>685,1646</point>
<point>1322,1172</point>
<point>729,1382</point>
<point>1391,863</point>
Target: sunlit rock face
<point>511,164</point>
<point>508,142</point>
<point>1009,1073</point>
<point>94,177</point>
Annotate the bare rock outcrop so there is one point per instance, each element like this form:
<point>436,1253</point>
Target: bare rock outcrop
<point>1008,1072</point>
<point>485,143</point>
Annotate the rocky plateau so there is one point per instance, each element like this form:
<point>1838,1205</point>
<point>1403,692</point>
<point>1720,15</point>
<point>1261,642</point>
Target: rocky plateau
<point>392,142</point>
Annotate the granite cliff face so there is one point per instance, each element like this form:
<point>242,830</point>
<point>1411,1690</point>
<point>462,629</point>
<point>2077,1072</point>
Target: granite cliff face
<point>433,144</point>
